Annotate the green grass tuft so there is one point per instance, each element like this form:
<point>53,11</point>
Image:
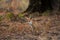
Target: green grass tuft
<point>9,15</point>
<point>20,15</point>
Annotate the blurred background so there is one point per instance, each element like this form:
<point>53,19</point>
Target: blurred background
<point>17,5</point>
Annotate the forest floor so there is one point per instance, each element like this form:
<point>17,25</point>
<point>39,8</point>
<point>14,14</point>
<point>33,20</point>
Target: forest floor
<point>37,28</point>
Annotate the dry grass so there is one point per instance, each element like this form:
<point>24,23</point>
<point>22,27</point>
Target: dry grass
<point>42,28</point>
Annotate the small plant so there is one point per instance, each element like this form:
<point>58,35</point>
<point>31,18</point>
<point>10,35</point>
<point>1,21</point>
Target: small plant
<point>20,15</point>
<point>22,18</point>
<point>9,15</point>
